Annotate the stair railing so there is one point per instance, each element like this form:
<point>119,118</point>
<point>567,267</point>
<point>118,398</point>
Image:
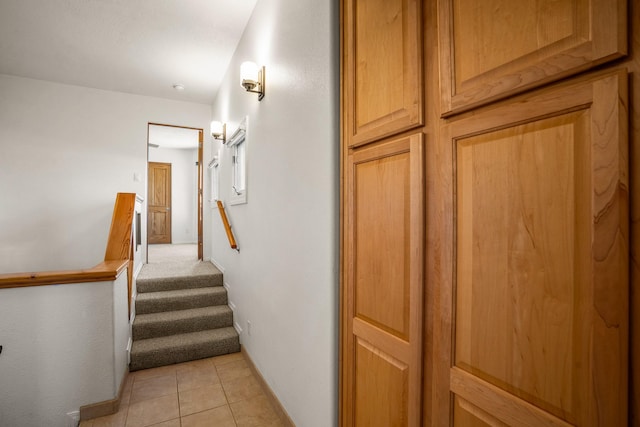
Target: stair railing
<point>227,227</point>
<point>118,255</point>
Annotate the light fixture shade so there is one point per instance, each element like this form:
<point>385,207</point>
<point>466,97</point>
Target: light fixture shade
<point>249,74</point>
<point>216,128</point>
<point>219,131</point>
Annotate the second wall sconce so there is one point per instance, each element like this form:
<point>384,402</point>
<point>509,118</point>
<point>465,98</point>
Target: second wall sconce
<point>252,78</point>
<point>219,131</point>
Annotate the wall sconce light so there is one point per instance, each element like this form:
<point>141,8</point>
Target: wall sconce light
<point>219,131</point>
<point>252,78</point>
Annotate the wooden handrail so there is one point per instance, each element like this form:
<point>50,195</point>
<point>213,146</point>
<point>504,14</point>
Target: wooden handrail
<point>120,242</point>
<point>119,254</point>
<point>227,227</point>
<point>106,271</point>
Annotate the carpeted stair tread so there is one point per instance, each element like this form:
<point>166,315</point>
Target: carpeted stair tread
<point>181,321</point>
<point>154,352</point>
<point>154,302</point>
<point>178,275</point>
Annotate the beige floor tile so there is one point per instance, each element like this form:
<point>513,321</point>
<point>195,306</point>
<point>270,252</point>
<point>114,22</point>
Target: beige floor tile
<point>255,412</point>
<point>196,377</point>
<point>218,417</point>
<point>115,420</point>
<point>153,411</point>
<point>224,359</point>
<point>242,388</point>
<point>145,374</point>
<point>153,387</point>
<point>200,363</point>
<point>201,399</point>
<point>233,370</point>
<point>170,423</point>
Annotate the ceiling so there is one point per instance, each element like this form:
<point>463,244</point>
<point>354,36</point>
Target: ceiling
<point>135,46</point>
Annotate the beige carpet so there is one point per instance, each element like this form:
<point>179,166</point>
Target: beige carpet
<point>173,253</point>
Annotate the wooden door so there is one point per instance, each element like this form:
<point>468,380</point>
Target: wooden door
<point>383,68</point>
<point>159,217</point>
<point>382,336</point>
<point>491,49</point>
<point>534,319</point>
<point>383,214</point>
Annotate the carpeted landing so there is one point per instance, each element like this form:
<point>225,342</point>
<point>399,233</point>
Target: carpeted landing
<point>181,315</point>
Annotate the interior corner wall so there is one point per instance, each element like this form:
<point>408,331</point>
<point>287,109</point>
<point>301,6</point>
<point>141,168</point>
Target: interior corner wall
<point>184,191</point>
<point>65,153</point>
<point>284,280</point>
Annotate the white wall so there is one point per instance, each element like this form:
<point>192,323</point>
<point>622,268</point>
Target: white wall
<point>64,347</point>
<point>284,280</point>
<point>184,191</point>
<point>65,151</point>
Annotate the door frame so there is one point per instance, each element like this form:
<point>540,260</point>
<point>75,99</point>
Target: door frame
<point>200,182</point>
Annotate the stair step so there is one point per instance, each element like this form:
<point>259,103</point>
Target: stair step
<point>182,321</point>
<point>173,276</point>
<point>154,352</point>
<point>154,302</point>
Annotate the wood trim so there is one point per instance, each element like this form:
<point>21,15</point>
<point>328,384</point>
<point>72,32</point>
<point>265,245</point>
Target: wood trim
<point>200,193</point>
<point>119,244</point>
<point>227,227</point>
<point>273,399</point>
<point>173,126</point>
<point>106,271</point>
<point>488,396</point>
<point>200,189</point>
<point>106,407</point>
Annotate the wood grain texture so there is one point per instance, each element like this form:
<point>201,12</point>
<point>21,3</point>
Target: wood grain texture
<point>120,243</point>
<point>633,66</point>
<point>106,271</point>
<point>541,271</point>
<point>383,68</point>
<point>159,205</point>
<point>227,227</point>
<point>466,414</point>
<point>493,400</point>
<point>496,48</point>
<point>381,397</point>
<point>384,253</point>
<point>515,257</point>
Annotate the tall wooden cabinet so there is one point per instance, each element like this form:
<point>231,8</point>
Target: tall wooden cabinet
<point>485,221</point>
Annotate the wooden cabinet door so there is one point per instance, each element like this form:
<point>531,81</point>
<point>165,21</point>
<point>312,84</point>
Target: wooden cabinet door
<point>383,66</point>
<point>159,217</point>
<point>383,285</point>
<point>491,49</point>
<point>535,320</point>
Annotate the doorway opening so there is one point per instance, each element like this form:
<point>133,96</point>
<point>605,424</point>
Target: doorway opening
<point>174,192</point>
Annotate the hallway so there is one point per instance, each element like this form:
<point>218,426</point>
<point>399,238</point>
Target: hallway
<point>220,391</point>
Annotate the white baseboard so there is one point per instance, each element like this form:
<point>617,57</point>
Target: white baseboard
<point>129,345</point>
<point>217,265</point>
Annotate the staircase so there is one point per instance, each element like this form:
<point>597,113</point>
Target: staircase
<point>181,315</point>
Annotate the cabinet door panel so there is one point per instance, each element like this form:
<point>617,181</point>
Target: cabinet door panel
<point>383,68</point>
<point>491,49</point>
<point>538,306</point>
<point>383,294</point>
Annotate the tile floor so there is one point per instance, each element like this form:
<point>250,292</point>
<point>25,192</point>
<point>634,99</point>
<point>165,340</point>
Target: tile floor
<point>220,391</point>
